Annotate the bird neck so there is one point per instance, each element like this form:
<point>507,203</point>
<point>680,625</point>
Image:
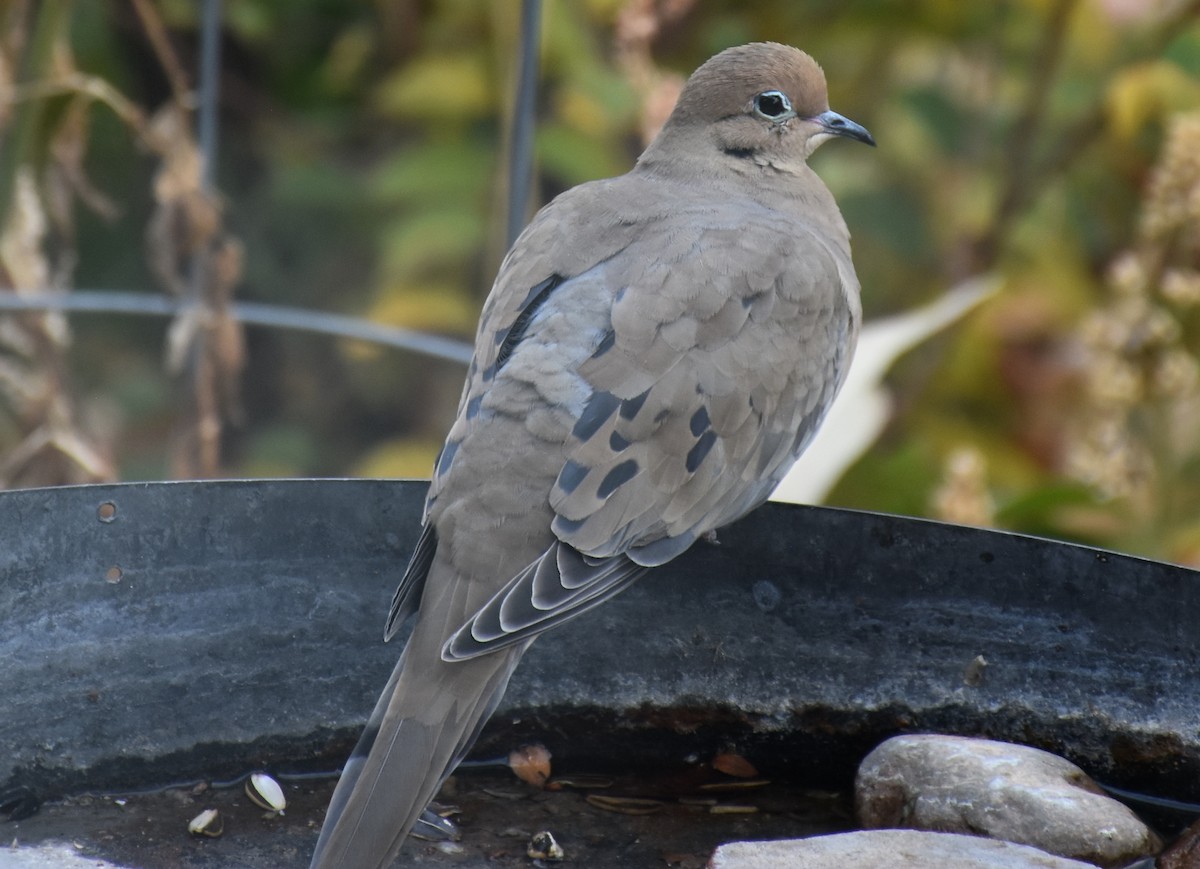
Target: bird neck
<point>685,155</point>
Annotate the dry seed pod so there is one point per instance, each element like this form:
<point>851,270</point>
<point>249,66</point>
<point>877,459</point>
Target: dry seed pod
<point>265,792</point>
<point>207,823</point>
<point>718,787</point>
<point>579,782</point>
<point>625,805</point>
<point>730,809</point>
<point>543,847</point>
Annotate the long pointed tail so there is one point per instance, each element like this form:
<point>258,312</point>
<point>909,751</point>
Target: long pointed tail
<point>425,721</point>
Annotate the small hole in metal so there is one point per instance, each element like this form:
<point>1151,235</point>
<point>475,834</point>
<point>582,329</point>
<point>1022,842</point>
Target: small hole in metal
<point>113,574</point>
<point>106,512</point>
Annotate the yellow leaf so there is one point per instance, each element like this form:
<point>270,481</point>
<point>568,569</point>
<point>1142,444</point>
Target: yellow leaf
<point>401,457</point>
<point>583,113</point>
<point>442,309</point>
<point>431,239</point>
<point>449,87</point>
<point>1145,92</point>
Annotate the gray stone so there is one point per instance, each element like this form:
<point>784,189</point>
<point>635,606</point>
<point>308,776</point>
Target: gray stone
<point>894,849</point>
<point>997,789</point>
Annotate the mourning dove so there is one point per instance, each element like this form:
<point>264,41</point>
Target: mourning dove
<point>656,351</point>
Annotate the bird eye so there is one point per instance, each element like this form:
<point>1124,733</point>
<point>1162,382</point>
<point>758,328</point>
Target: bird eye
<point>772,104</point>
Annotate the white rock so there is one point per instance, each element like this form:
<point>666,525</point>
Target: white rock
<point>998,790</point>
<point>893,849</point>
<point>53,855</point>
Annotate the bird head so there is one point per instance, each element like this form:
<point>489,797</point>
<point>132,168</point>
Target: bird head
<point>763,102</point>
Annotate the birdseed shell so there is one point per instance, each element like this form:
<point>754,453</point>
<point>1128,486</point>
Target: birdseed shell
<point>543,847</point>
<point>207,823</point>
<point>265,792</point>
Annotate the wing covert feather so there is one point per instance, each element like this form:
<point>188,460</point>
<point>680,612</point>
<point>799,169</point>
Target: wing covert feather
<point>678,373</point>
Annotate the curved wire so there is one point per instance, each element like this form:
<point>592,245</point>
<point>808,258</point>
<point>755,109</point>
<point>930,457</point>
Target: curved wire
<point>250,313</point>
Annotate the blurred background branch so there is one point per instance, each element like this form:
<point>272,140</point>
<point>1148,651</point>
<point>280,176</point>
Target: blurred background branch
<point>1041,146</point>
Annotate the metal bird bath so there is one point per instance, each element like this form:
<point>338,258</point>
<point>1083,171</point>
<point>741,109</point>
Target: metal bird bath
<point>155,632</point>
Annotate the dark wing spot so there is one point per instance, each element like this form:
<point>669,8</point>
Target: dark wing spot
<point>617,443</point>
<point>571,476</point>
<point>700,421</point>
<point>473,406</point>
<point>597,411</point>
<point>446,457</point>
<point>562,525</point>
<point>408,593</point>
<point>662,550</point>
<point>753,299</point>
<point>740,153</point>
<point>697,453</point>
<point>605,345</point>
<point>509,340</point>
<point>619,475</point>
<point>631,406</point>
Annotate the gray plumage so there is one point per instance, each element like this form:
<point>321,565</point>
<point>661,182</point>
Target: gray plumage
<point>657,350</point>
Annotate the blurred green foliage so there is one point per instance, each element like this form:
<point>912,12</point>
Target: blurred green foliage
<point>361,163</point>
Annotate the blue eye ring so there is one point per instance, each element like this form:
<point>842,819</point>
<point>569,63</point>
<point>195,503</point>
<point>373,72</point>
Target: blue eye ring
<point>773,105</point>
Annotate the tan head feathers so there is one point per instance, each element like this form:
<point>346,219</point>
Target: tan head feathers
<point>762,104</point>
<point>726,84</point>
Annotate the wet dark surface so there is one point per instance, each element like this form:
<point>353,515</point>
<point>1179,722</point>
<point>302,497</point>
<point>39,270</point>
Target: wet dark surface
<point>497,816</point>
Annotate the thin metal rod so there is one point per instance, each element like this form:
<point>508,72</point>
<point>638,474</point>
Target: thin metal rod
<point>210,72</point>
<point>520,158</point>
<point>250,313</point>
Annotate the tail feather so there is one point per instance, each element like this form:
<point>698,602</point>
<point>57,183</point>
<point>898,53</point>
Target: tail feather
<point>412,742</point>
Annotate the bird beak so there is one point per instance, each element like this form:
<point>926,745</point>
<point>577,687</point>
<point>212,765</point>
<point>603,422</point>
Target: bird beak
<point>837,125</point>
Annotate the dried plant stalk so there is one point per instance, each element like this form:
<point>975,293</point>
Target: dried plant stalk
<point>194,258</point>
<point>188,250</point>
<point>1141,423</point>
<point>44,443</point>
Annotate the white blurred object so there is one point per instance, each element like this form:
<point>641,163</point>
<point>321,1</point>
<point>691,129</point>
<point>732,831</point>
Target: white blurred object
<point>862,409</point>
